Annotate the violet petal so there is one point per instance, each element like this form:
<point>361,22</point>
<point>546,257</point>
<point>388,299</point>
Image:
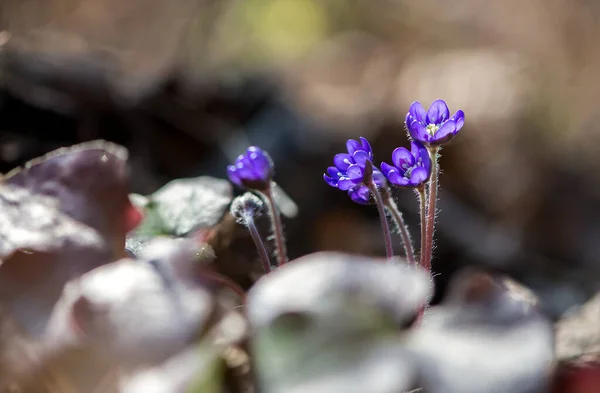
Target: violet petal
<point>359,195</point>
<point>394,176</point>
<point>239,159</point>
<point>360,157</point>
<point>233,175</point>
<point>417,132</point>
<point>386,168</point>
<point>402,158</point>
<point>332,181</point>
<point>459,119</point>
<point>352,146</point>
<point>438,112</point>
<point>333,172</point>
<point>345,184</point>
<point>245,173</point>
<point>261,164</point>
<point>343,161</point>
<point>366,146</point>
<point>417,111</point>
<point>418,176</point>
<point>447,129</point>
<point>355,173</point>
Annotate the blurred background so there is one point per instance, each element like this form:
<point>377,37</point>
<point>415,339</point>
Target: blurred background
<point>186,85</point>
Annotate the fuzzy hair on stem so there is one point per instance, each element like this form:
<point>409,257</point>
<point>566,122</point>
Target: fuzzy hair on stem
<point>276,225</point>
<point>245,208</point>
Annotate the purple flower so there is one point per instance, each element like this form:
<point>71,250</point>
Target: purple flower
<point>434,127</point>
<point>410,168</point>
<point>253,169</point>
<point>348,172</point>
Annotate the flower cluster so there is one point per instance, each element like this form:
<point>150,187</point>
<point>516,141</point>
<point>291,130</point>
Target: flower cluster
<point>348,172</point>
<point>410,168</point>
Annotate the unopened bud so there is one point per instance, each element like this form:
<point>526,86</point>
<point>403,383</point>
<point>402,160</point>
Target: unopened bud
<point>246,207</point>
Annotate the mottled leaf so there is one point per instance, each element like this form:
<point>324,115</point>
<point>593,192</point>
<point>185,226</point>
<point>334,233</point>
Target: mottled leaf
<point>185,205</point>
<point>40,249</point>
<point>330,322</point>
<point>33,223</point>
<point>61,216</point>
<point>491,328</point>
<point>89,183</point>
<point>136,312</point>
<point>327,284</point>
<point>199,208</point>
<point>200,368</point>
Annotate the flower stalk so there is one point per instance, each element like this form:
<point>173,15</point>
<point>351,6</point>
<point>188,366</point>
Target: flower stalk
<point>385,227</point>
<point>260,246</point>
<point>423,219</point>
<point>423,216</point>
<point>398,218</point>
<point>427,252</point>
<point>276,226</point>
<point>244,208</point>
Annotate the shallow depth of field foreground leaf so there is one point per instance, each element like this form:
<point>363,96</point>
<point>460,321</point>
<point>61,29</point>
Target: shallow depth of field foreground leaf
<point>136,311</point>
<point>185,205</point>
<point>331,322</point>
<point>62,215</point>
<point>335,323</point>
<point>488,336</point>
<point>89,181</point>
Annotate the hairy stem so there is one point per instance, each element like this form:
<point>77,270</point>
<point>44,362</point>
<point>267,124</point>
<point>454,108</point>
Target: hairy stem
<point>260,246</point>
<point>387,236</point>
<point>427,245</point>
<point>431,209</point>
<point>276,226</point>
<point>423,215</point>
<point>391,206</point>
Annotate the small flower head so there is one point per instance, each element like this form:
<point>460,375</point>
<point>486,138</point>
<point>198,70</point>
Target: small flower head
<point>253,169</point>
<point>246,207</point>
<point>434,127</point>
<point>351,172</point>
<point>410,168</point>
